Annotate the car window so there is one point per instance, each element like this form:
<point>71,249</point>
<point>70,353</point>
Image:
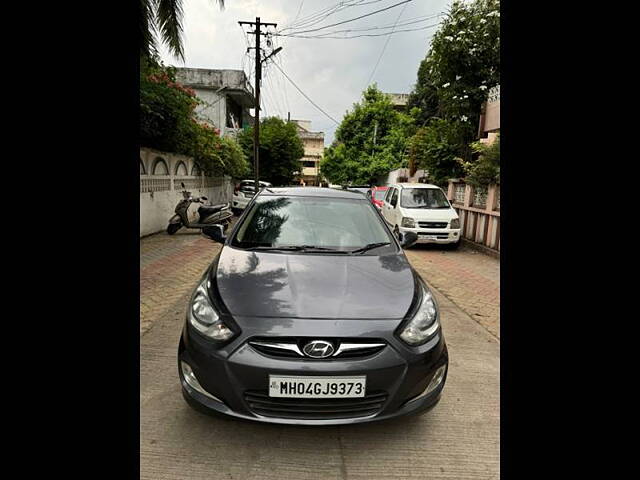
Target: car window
<point>380,194</point>
<point>394,197</point>
<point>423,198</point>
<point>336,223</point>
<point>387,197</point>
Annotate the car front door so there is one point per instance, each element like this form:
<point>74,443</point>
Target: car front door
<point>389,206</point>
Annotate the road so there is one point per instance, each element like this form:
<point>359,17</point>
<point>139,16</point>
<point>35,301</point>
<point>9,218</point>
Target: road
<point>458,439</point>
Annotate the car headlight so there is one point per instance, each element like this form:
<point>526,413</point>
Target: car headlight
<point>424,323</point>
<point>455,223</point>
<point>408,222</point>
<point>204,317</point>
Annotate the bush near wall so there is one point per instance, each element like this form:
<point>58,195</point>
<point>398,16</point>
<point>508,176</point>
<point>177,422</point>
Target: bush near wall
<point>167,123</point>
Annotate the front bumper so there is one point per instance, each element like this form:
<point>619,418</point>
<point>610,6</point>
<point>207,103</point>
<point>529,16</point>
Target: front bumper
<point>431,235</point>
<point>401,374</point>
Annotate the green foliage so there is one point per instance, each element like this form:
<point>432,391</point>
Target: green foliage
<point>462,64</point>
<point>435,148</point>
<point>163,19</point>
<point>280,150</point>
<point>370,141</point>
<point>166,109</point>
<point>486,169</point>
<point>167,123</point>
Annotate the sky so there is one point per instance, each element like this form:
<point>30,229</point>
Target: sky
<point>331,72</point>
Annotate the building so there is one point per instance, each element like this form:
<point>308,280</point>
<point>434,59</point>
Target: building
<point>226,97</point>
<point>313,149</point>
<point>489,127</point>
<point>399,101</point>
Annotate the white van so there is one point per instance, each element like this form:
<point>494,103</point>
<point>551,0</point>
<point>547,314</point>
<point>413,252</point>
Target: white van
<point>423,209</point>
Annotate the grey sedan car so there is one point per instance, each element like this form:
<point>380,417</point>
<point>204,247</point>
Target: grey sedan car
<point>311,314</point>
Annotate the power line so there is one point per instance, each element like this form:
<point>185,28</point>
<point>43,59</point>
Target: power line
<point>368,29</point>
<point>305,95</point>
<point>363,35</point>
<point>321,15</point>
<point>354,19</point>
<point>386,44</point>
<point>410,21</point>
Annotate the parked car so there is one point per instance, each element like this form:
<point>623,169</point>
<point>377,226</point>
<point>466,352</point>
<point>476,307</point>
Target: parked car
<point>377,196</point>
<point>364,189</point>
<point>311,314</point>
<point>423,209</point>
<point>243,193</point>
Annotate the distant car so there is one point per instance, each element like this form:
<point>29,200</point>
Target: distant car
<point>364,189</point>
<point>423,209</point>
<point>243,193</point>
<point>377,196</point>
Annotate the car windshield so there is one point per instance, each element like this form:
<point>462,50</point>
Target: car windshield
<point>312,222</point>
<point>423,198</point>
<point>380,194</point>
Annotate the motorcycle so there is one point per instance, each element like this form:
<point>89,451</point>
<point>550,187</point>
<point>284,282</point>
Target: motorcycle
<point>208,214</point>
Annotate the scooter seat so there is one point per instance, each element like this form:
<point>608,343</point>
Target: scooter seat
<point>210,209</point>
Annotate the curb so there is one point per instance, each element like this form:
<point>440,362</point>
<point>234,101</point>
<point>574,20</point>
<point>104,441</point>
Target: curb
<point>481,248</point>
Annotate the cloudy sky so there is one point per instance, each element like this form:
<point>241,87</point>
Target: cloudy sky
<point>332,72</point>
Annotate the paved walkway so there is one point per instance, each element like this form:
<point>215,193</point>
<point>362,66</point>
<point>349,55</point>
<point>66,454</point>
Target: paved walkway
<point>470,279</point>
<point>458,439</point>
<point>169,268</point>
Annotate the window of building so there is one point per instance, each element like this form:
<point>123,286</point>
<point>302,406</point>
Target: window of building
<point>234,114</point>
<point>142,169</point>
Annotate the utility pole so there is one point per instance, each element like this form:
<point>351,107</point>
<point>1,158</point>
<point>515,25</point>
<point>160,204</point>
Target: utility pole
<point>256,127</point>
<point>375,131</point>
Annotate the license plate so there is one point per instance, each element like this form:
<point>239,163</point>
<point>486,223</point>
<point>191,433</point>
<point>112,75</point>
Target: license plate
<point>317,387</point>
<point>430,237</point>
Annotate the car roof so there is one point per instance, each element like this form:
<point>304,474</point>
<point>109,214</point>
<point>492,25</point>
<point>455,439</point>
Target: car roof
<point>253,181</point>
<point>382,187</point>
<point>413,185</point>
<point>311,192</point>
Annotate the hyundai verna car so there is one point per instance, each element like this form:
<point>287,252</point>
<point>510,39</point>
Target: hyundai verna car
<point>311,314</point>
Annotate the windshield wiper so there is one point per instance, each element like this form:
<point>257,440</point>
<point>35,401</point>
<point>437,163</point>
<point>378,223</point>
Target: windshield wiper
<point>370,247</point>
<point>297,248</point>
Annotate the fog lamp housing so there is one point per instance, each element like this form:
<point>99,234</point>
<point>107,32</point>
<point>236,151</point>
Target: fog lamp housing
<point>191,380</point>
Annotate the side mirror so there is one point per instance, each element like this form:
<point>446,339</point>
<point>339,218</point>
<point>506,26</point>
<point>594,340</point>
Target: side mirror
<point>215,233</point>
<point>408,239</point>
<point>204,198</point>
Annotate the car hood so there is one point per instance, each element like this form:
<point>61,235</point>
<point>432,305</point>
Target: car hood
<point>267,284</point>
<point>430,214</point>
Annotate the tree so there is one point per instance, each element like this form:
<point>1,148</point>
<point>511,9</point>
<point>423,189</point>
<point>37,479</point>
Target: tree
<point>167,122</point>
<point>280,150</point>
<point>486,170</point>
<point>434,148</point>
<point>370,141</point>
<point>462,64</point>
<point>163,18</point>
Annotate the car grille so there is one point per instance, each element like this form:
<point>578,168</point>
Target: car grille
<point>292,348</point>
<point>260,403</point>
<point>432,224</point>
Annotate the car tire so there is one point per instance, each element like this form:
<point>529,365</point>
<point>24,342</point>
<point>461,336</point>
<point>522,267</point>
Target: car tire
<point>456,245</point>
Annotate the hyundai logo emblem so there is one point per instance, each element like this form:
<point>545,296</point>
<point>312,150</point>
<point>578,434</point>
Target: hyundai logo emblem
<point>318,349</point>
